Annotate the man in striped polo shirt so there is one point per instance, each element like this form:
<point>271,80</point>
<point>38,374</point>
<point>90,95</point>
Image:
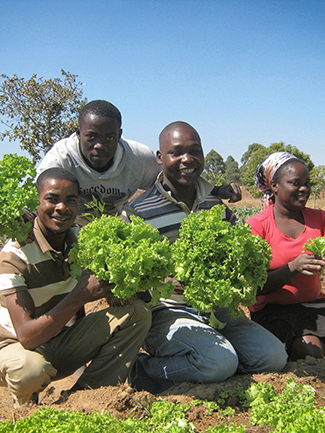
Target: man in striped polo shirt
<point>44,334</point>
<point>181,345</point>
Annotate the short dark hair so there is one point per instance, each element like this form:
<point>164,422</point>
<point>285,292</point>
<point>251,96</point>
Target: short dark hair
<point>100,108</point>
<point>56,173</point>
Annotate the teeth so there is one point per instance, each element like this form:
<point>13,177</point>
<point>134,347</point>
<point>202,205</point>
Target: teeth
<point>187,170</point>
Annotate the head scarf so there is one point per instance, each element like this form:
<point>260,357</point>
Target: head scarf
<point>265,174</point>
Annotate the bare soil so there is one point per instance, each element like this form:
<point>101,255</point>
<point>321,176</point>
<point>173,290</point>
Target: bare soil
<point>123,401</point>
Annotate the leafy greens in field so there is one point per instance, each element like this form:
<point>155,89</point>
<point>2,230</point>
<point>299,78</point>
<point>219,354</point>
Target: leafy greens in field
<point>220,265</point>
<point>131,255</point>
<point>316,246</point>
<point>291,411</point>
<point>17,191</point>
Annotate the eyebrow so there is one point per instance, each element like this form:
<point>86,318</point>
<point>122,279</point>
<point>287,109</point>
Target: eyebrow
<point>57,195</point>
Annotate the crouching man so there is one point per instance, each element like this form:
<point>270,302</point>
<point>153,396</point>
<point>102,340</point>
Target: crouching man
<point>44,334</point>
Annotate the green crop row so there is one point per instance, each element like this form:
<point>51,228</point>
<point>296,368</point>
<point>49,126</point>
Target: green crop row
<point>292,411</point>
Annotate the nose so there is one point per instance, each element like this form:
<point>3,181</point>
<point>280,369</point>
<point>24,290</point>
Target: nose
<point>186,157</point>
<point>99,144</point>
<point>61,206</point>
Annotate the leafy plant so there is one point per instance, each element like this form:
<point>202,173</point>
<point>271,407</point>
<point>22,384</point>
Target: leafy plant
<point>316,246</point>
<point>17,191</point>
<point>131,255</point>
<point>293,410</point>
<point>242,214</point>
<point>219,264</point>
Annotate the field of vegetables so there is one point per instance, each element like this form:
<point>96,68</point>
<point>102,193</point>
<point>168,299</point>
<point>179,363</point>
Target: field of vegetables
<point>287,402</point>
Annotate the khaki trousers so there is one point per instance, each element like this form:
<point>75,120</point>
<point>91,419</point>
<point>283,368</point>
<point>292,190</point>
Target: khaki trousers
<point>107,341</point>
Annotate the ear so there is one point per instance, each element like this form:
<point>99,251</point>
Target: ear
<point>78,132</point>
<point>158,157</point>
<point>120,133</point>
<point>274,187</point>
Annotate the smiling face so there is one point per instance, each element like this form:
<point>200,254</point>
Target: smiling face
<point>181,156</point>
<point>58,206</point>
<point>98,136</point>
<point>292,189</point>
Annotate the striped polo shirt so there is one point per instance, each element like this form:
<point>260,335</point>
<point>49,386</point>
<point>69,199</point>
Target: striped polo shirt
<point>157,207</point>
<point>34,266</point>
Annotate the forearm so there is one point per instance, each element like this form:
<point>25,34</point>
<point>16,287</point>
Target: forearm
<point>34,332</point>
<point>276,280</point>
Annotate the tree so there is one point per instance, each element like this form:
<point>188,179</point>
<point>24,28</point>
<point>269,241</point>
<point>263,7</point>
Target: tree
<point>214,168</point>
<point>317,180</point>
<point>246,156</point>
<point>39,112</point>
<point>232,171</point>
<point>257,156</point>
<point>251,149</point>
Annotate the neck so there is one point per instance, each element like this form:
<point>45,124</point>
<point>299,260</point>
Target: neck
<point>284,213</point>
<point>184,194</point>
<point>56,240</point>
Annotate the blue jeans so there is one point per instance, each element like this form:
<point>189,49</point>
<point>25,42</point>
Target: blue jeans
<point>182,347</point>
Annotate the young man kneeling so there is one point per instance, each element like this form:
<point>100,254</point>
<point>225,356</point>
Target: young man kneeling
<point>44,333</point>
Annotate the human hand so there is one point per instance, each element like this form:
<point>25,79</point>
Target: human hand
<point>92,289</point>
<point>232,192</point>
<point>306,264</point>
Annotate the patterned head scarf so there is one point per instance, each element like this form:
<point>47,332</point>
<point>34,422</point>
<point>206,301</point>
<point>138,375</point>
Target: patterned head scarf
<point>265,174</point>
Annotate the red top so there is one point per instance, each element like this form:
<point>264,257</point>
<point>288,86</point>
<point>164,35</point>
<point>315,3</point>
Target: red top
<point>302,288</point>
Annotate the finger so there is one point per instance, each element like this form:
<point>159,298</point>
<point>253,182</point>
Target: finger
<point>309,273</point>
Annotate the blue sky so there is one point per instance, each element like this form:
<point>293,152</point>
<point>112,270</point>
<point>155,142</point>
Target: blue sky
<point>239,71</point>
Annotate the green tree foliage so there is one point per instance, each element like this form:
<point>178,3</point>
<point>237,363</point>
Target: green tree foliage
<point>257,156</point>
<point>214,168</point>
<point>317,179</point>
<point>246,156</point>
<point>251,149</point>
<point>232,171</point>
<point>38,112</point>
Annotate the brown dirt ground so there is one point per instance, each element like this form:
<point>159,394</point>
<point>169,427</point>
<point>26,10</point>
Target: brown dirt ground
<point>122,401</point>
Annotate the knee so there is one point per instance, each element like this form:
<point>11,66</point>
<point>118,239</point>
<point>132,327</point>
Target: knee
<point>277,359</point>
<point>216,369</point>
<point>28,374</point>
<point>272,357</point>
<point>307,345</point>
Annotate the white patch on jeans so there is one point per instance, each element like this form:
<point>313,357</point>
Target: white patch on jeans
<point>184,323</point>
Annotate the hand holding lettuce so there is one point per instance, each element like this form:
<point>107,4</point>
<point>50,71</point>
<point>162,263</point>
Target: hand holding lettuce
<point>220,265</point>
<point>130,255</point>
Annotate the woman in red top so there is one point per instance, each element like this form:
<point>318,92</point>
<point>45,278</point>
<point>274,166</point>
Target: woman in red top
<point>291,304</point>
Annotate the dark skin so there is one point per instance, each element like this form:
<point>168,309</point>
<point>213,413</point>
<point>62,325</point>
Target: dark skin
<point>181,191</point>
<point>181,156</point>
<point>291,193</point>
<point>57,211</point>
<point>98,137</point>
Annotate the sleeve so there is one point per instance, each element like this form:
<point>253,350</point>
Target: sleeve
<point>150,170</point>
<point>11,276</point>
<point>57,156</point>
